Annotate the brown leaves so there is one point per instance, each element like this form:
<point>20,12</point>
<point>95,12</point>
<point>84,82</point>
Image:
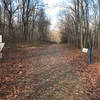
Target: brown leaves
<point>48,73</point>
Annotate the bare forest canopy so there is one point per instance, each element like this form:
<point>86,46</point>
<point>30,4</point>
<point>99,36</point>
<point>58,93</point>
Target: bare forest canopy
<point>26,20</point>
<point>23,20</point>
<point>80,23</point>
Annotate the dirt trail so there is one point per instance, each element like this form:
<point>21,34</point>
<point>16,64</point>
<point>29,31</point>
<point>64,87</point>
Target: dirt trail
<point>41,74</point>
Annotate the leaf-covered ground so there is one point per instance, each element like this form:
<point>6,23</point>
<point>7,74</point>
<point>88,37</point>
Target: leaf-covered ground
<point>48,72</point>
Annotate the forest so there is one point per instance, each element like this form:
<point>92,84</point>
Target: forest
<point>42,45</point>
<point>26,20</point>
<point>23,20</point>
<point>80,23</point>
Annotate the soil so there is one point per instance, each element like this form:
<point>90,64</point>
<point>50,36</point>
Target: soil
<point>48,72</point>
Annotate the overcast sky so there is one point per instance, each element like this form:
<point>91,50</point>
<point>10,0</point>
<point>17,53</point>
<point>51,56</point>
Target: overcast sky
<point>54,6</point>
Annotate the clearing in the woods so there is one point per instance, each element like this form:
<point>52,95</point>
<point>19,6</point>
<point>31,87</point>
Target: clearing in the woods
<point>48,72</point>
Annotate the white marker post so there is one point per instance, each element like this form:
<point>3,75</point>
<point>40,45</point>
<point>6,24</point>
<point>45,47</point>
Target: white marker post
<point>1,46</point>
<point>85,50</point>
<point>0,38</point>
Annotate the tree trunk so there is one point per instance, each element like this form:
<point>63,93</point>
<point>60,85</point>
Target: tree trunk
<point>99,27</point>
<point>0,20</point>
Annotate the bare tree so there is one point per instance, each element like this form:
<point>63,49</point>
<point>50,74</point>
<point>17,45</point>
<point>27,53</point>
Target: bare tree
<point>8,5</point>
<point>80,30</point>
<point>99,26</point>
<point>0,18</point>
<point>43,24</point>
<point>21,19</point>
